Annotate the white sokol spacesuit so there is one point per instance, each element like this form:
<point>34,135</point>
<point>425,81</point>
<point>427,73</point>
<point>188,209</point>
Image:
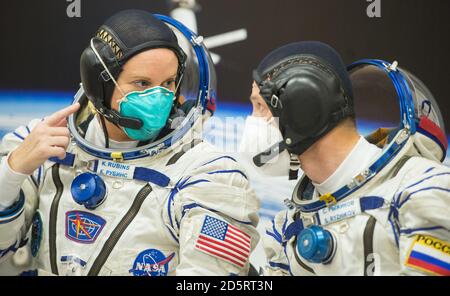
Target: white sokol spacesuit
<point>389,209</point>
<point>173,207</point>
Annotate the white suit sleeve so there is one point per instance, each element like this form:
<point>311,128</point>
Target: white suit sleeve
<point>277,263</point>
<point>213,214</point>
<point>422,217</point>
<point>10,182</point>
<point>18,199</point>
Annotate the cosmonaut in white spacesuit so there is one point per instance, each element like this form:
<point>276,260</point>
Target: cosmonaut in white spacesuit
<point>136,191</point>
<point>364,206</point>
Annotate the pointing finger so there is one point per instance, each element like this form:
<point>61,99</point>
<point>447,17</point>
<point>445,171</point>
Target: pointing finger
<point>58,116</point>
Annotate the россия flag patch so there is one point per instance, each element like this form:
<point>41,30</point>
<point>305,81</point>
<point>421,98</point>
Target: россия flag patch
<point>429,254</point>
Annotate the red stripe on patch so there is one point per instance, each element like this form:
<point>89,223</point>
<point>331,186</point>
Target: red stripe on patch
<point>242,234</point>
<point>220,255</point>
<point>431,267</point>
<point>245,255</point>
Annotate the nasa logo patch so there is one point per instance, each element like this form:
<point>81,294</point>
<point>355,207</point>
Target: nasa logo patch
<point>83,227</point>
<point>151,262</point>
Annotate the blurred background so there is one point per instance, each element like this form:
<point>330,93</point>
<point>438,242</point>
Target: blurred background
<point>41,44</point>
<point>40,48</point>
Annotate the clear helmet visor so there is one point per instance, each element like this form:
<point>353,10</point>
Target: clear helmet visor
<point>195,100</point>
<point>375,98</point>
<point>425,104</point>
<point>388,99</point>
<point>190,88</point>
<point>195,67</point>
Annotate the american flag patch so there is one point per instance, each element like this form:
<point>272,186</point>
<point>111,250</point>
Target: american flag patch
<point>223,240</point>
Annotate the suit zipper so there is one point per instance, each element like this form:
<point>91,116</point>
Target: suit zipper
<point>119,230</point>
<point>368,244</point>
<point>53,217</point>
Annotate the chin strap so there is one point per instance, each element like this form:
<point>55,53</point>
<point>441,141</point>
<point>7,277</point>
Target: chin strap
<point>294,167</point>
<point>105,131</point>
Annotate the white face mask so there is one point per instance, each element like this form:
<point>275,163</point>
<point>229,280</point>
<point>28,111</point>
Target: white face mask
<point>258,136</point>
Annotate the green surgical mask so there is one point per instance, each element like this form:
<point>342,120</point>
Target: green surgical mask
<point>152,106</point>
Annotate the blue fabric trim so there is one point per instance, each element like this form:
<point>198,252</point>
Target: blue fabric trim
<point>394,232</point>
<point>427,178</point>
<point>317,216</point>
<point>169,206</point>
<point>188,207</point>
<point>228,171</point>
<point>140,173</point>
<point>411,230</point>
<point>279,265</point>
<point>278,239</point>
<point>180,185</point>
<point>13,248</point>
<point>29,273</point>
<point>371,203</point>
<point>67,161</point>
<point>293,229</point>
<point>429,170</point>
<point>152,176</point>
<point>345,191</point>
<point>12,219</point>
<point>420,190</point>
<point>14,210</point>
<point>28,129</point>
<point>171,199</point>
<point>218,158</point>
<point>18,136</point>
<point>194,182</point>
<point>275,230</point>
<point>283,228</point>
<point>393,214</point>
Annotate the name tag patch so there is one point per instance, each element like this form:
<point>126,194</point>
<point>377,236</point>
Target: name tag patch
<point>339,212</point>
<point>115,169</point>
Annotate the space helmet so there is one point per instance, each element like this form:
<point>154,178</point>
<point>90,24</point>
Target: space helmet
<point>121,37</point>
<point>391,97</point>
<point>401,95</point>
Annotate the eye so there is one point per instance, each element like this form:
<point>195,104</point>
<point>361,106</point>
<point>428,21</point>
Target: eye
<point>169,83</point>
<point>142,84</point>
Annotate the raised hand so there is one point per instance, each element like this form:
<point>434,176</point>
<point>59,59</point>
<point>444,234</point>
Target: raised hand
<point>49,138</point>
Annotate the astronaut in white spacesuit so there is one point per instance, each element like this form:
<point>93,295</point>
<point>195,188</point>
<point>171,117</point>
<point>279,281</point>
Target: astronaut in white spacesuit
<point>134,190</point>
<point>375,206</point>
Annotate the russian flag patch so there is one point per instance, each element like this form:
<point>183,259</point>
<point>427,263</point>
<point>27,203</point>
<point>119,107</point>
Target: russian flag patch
<point>429,254</point>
